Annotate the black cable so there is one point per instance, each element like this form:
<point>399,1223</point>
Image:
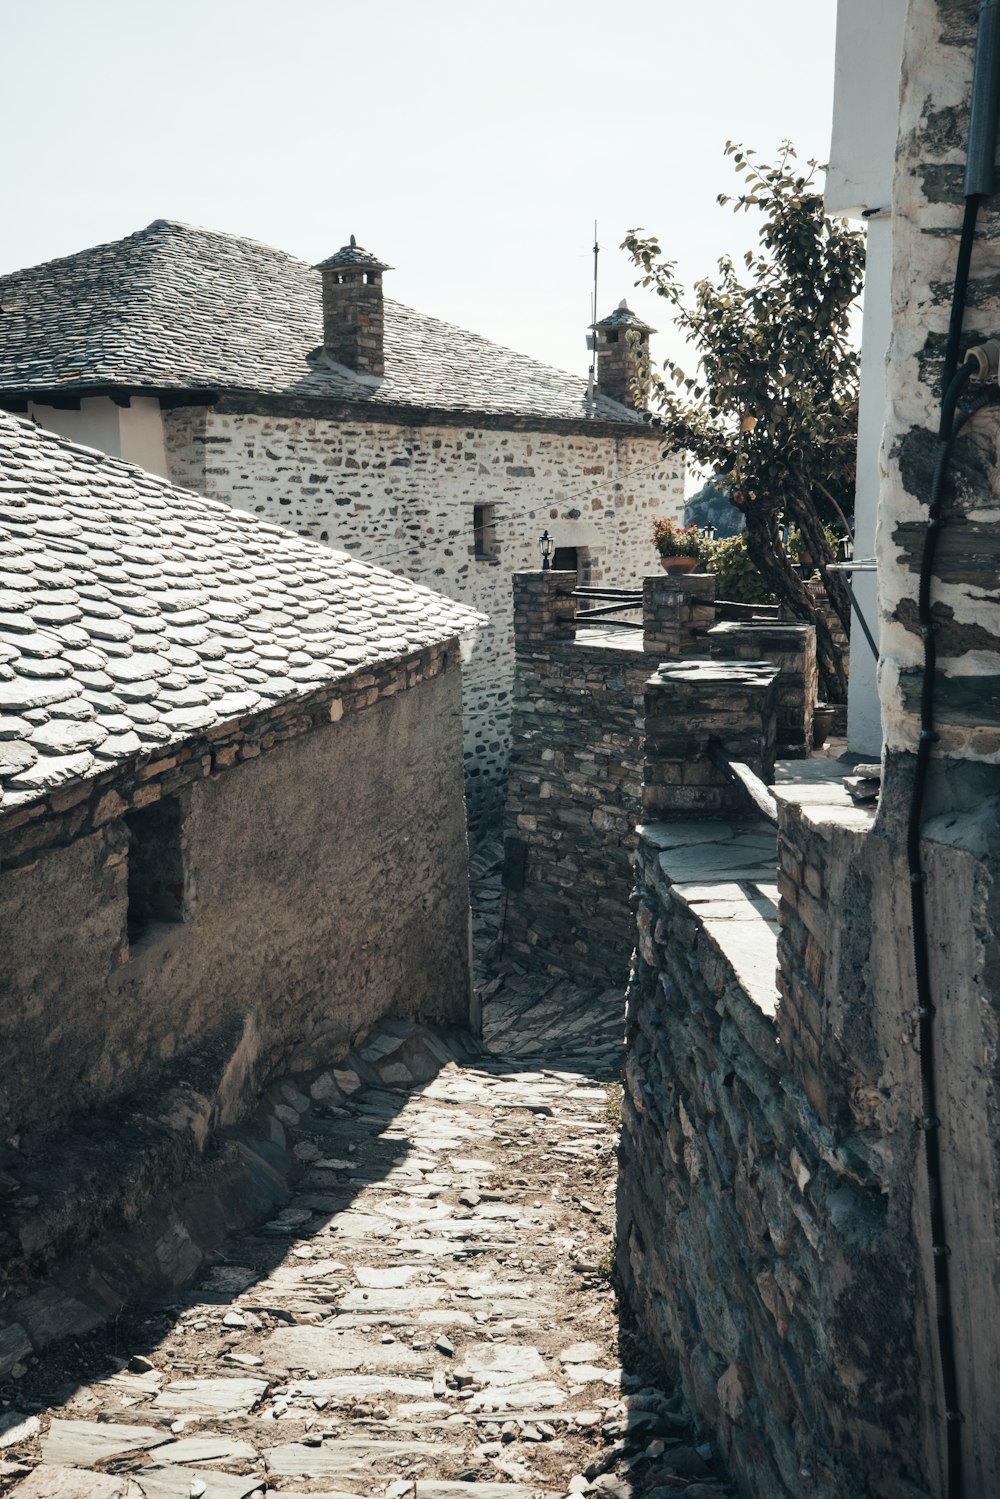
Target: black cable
<point>979,182</point>
<point>959,291</point>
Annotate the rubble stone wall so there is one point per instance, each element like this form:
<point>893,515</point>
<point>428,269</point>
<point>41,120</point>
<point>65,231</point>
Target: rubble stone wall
<point>766,1180</point>
<point>404,495</point>
<point>792,647</point>
<point>325,885</point>
<point>573,797</point>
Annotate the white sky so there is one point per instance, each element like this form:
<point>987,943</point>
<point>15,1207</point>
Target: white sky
<point>470,143</point>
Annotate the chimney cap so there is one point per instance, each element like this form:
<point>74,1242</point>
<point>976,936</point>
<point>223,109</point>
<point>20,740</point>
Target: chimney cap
<point>353,254</point>
<point>624,317</point>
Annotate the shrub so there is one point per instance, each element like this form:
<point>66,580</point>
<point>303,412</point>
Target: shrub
<point>737,579</point>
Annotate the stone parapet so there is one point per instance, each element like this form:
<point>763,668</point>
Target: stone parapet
<point>765,1243</point>
<point>691,706</point>
<point>544,609</point>
<point>678,610</point>
<point>790,647</point>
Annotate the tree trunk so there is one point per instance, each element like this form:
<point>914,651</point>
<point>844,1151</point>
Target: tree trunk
<point>771,562</point>
<point>804,511</point>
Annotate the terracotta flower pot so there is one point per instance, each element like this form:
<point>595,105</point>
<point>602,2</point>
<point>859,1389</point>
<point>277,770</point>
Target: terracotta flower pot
<point>679,564</point>
<point>822,723</point>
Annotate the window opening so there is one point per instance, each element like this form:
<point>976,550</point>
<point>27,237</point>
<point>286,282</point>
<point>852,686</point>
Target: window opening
<point>155,869</point>
<point>565,560</point>
<point>484,539</point>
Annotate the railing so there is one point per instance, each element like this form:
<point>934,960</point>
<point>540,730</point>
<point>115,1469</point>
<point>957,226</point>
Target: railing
<point>728,609</point>
<point>620,601</point>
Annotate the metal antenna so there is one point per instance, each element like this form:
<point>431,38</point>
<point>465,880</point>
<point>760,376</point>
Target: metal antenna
<point>593,321</point>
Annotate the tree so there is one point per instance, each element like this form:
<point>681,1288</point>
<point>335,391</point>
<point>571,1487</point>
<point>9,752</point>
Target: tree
<point>773,409</point>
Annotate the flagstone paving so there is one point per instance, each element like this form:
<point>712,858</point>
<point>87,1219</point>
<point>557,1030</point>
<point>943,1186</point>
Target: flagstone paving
<point>431,1315</point>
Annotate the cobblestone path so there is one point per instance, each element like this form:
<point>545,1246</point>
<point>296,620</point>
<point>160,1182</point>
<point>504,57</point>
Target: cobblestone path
<point>430,1315</point>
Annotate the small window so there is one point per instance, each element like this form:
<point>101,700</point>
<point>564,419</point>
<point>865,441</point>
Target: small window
<point>155,870</point>
<point>484,538</point>
<point>612,335</point>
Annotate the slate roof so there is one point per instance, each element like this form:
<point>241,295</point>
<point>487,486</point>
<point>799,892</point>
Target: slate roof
<point>355,255</point>
<point>135,615</point>
<point>624,317</point>
<point>176,308</point>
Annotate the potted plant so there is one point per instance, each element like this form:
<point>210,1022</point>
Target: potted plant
<point>823,715</point>
<point>680,547</point>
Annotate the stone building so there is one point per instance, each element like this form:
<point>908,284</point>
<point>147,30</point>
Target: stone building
<point>299,394</point>
<point>231,802</point>
<point>808,1219</point>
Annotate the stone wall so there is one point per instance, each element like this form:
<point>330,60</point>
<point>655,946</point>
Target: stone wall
<point>404,495</point>
<point>583,712</point>
<point>766,1169</point>
<point>324,879</point>
<point>574,788</point>
<point>692,708</point>
<point>773,1237</point>
<point>677,613</point>
<point>791,647</point>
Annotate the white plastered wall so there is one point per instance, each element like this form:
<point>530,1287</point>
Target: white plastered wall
<point>859,186</point>
<point>133,432</point>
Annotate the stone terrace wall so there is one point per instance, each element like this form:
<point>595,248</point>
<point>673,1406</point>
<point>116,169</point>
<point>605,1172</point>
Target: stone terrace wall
<point>765,1196</point>
<point>325,885</point>
<point>589,723</point>
<point>404,495</point>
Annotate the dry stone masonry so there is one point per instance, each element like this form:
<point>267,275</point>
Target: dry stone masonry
<point>589,723</point>
<point>677,613</point>
<point>691,707</point>
<point>574,786</point>
<point>768,1159</point>
<point>792,648</point>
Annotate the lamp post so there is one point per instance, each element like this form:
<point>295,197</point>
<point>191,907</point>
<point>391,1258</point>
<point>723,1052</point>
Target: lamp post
<point>546,543</point>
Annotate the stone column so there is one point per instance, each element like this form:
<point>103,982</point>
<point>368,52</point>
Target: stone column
<point>691,704</point>
<point>544,609</point>
<point>790,647</point>
<point>678,610</point>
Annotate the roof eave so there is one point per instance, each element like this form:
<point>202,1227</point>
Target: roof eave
<point>239,401</point>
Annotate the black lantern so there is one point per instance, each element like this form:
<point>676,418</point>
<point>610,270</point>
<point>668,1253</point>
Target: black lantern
<point>546,543</point>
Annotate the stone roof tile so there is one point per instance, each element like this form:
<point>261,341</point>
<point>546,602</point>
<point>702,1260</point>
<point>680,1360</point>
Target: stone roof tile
<point>174,308</point>
<point>93,672</point>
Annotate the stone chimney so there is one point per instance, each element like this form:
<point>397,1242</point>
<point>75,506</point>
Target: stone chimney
<point>622,344</point>
<point>353,314</point>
